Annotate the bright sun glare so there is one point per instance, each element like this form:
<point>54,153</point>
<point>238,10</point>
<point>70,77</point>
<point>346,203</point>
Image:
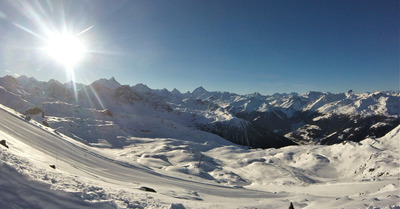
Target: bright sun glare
<point>65,48</point>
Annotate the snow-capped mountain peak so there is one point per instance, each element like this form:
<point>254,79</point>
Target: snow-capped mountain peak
<point>141,88</point>
<point>199,91</point>
<point>176,92</point>
<point>107,83</point>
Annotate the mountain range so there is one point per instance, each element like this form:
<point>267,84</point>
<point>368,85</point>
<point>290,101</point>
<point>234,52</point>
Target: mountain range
<point>107,114</point>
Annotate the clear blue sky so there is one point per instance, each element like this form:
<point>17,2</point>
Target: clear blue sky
<point>236,46</point>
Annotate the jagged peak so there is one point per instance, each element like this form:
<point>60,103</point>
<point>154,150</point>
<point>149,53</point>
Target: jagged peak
<point>175,91</point>
<point>255,94</point>
<point>113,79</point>
<point>164,90</point>
<point>110,83</point>
<point>199,90</point>
<point>54,81</point>
<point>140,87</point>
<point>313,94</point>
<point>10,77</point>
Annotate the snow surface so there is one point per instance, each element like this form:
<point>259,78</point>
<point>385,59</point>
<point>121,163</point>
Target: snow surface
<point>191,173</point>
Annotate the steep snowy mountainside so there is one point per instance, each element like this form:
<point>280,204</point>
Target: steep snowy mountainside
<point>11,84</point>
<point>337,117</point>
<point>108,112</point>
<point>349,116</point>
<point>13,100</point>
<point>219,118</point>
<point>121,111</point>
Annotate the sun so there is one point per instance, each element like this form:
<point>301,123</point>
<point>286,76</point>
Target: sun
<point>65,48</point>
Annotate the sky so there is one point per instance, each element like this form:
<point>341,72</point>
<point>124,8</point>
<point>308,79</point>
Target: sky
<point>222,45</point>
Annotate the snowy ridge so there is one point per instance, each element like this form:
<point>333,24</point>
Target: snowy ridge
<point>108,111</point>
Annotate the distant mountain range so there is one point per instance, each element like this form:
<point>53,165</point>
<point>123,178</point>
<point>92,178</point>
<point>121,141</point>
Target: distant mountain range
<point>106,113</point>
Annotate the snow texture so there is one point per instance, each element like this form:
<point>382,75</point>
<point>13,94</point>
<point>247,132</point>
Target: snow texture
<point>347,175</point>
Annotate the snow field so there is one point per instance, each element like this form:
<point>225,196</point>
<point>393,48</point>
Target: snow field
<point>339,173</point>
<point>347,175</point>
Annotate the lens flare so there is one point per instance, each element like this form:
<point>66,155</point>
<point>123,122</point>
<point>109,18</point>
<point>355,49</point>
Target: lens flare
<point>65,48</point>
<point>57,34</point>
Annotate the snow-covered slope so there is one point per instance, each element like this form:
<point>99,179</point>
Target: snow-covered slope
<point>191,174</point>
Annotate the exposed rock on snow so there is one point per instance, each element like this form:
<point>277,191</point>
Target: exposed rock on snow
<point>4,143</point>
